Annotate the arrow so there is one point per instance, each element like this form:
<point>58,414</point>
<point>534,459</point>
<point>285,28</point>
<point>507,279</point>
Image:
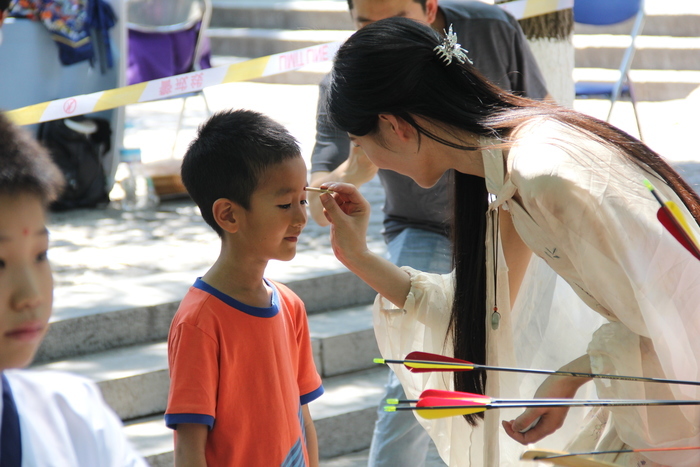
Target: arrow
<point>541,456</point>
<point>671,217</point>
<point>460,395</point>
<point>562,458</point>
<point>440,407</point>
<point>422,362</point>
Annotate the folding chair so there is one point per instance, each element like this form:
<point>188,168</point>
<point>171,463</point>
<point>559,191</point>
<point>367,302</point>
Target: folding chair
<point>603,13</point>
<point>167,37</point>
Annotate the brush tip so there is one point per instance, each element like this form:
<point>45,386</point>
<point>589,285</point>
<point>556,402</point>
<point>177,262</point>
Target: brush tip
<point>648,184</point>
<point>389,408</point>
<point>392,401</point>
<point>379,360</point>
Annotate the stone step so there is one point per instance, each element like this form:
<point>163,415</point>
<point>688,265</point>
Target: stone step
<point>92,318</point>
<point>652,52</point>
<point>679,25</point>
<point>258,42</point>
<point>344,418</point>
<point>134,380</point>
<point>592,50</point>
<point>668,19</point>
<point>649,85</point>
<point>284,15</point>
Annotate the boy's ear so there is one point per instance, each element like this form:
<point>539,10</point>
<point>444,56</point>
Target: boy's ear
<point>225,214</point>
<point>400,127</point>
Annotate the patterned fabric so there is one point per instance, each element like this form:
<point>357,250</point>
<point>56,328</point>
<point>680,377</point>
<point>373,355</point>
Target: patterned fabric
<point>295,457</point>
<point>79,27</point>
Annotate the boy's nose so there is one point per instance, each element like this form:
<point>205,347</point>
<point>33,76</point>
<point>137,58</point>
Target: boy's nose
<point>301,215</point>
<point>27,292</point>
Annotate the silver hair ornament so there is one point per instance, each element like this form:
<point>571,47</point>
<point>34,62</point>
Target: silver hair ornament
<point>449,49</point>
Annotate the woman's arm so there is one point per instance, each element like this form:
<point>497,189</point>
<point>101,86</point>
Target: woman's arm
<point>348,212</point>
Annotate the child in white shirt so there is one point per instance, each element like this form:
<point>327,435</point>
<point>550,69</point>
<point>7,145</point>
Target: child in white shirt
<point>48,418</point>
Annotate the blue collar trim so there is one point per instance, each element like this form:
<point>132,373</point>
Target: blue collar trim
<point>267,312</point>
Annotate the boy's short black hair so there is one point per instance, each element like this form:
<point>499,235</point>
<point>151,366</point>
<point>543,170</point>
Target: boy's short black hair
<point>25,166</point>
<point>228,157</point>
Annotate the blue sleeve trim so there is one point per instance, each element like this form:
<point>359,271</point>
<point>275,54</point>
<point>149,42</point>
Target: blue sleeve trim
<point>312,396</point>
<point>173,419</point>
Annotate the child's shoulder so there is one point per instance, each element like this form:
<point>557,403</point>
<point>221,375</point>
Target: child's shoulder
<point>53,387</point>
<point>286,294</point>
<point>196,301</point>
<point>40,377</point>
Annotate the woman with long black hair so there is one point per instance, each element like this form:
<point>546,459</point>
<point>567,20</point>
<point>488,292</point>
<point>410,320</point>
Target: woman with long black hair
<point>534,183</point>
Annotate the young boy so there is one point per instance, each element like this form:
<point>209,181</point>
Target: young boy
<point>48,418</point>
<point>241,366</point>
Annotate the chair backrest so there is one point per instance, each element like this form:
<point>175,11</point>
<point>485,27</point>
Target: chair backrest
<point>171,17</point>
<point>164,15</point>
<point>603,12</point>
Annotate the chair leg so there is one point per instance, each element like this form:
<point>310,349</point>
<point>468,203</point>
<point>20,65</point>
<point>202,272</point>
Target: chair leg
<point>633,98</point>
<point>182,116</point>
<point>179,126</point>
<point>206,103</point>
<point>615,95</point>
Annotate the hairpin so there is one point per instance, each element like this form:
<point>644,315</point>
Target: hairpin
<point>449,49</point>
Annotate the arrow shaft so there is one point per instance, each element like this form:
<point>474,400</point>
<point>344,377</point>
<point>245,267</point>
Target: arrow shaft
<point>555,403</point>
<point>466,366</point>
<point>621,451</point>
<point>506,401</point>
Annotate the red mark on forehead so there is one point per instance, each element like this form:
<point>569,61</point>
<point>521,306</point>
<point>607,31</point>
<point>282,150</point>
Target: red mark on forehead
<point>25,231</point>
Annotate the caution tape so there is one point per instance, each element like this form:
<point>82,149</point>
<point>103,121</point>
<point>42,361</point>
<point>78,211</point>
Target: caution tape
<point>173,86</point>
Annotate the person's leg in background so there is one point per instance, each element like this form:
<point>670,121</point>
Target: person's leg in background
<point>398,439</point>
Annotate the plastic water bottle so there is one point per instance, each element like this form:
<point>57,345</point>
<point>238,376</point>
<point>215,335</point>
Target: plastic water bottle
<point>139,192</point>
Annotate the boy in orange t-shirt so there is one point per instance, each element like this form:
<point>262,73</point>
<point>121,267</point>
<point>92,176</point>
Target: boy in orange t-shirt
<point>239,351</point>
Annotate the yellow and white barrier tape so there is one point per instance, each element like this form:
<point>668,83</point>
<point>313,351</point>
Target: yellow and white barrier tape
<point>173,86</point>
<point>197,80</point>
<point>522,9</point>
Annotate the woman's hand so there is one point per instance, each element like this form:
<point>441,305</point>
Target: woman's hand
<point>348,212</point>
<point>547,420</point>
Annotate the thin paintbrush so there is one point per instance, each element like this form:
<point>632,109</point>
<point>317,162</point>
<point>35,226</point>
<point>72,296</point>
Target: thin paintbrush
<point>318,190</point>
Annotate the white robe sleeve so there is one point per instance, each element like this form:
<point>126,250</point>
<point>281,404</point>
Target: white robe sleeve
<point>422,326</point>
<point>593,221</point>
<point>545,311</point>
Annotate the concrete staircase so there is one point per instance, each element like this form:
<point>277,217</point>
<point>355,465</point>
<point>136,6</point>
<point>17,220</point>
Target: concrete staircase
<point>248,29</point>
<point>666,65</point>
<point>122,348</point>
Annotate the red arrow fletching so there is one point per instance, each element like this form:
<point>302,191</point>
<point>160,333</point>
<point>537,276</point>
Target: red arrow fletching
<point>454,395</point>
<point>448,402</point>
<point>668,221</point>
<point>427,362</point>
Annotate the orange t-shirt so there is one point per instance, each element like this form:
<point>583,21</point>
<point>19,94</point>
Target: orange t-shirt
<point>245,372</point>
